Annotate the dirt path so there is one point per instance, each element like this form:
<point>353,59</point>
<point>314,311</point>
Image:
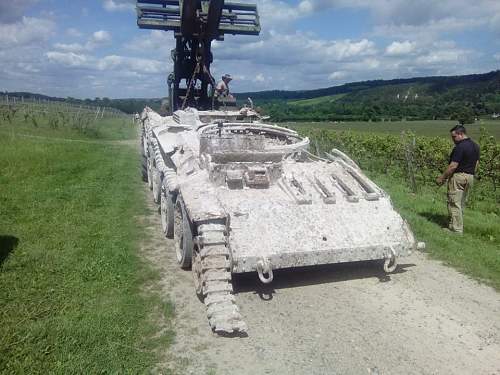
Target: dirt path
<point>340,319</point>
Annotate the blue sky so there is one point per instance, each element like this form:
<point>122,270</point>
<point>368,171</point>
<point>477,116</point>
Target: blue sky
<point>94,48</point>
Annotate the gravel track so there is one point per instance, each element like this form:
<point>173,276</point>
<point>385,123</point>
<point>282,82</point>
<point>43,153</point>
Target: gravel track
<point>342,319</point>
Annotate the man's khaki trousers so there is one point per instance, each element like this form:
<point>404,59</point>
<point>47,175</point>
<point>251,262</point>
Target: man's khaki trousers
<point>459,185</point>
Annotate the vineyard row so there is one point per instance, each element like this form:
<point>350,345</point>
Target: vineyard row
<point>421,159</point>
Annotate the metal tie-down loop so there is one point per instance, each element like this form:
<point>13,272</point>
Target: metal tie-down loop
<point>391,261</point>
<point>264,267</point>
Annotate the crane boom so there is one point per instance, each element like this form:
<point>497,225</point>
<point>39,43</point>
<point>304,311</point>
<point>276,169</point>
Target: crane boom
<point>196,24</point>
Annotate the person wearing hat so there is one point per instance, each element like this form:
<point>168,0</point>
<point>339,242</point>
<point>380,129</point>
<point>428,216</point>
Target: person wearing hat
<point>222,88</point>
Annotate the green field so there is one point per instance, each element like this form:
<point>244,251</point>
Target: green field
<point>73,286</point>
<point>320,100</point>
<point>49,120</point>
<point>438,128</point>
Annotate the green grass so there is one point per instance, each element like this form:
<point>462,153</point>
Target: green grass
<point>73,287</point>
<point>476,253</point>
<point>107,128</point>
<point>428,128</point>
<point>319,100</point>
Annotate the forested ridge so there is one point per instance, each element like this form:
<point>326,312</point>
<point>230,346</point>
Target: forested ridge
<point>455,97</point>
<point>461,97</point>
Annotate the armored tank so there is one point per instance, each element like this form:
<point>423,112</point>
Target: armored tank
<point>238,195</point>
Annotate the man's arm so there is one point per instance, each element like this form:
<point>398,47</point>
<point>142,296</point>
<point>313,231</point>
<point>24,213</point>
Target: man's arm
<point>447,173</point>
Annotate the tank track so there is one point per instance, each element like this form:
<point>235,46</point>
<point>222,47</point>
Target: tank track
<point>213,265</point>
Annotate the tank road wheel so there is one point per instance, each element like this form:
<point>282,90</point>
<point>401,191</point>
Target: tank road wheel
<point>150,168</point>
<point>167,208</point>
<point>156,185</point>
<point>183,235</point>
<point>197,272</point>
<point>144,145</point>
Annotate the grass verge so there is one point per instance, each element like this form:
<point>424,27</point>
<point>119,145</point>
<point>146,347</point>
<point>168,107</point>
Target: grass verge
<point>476,253</point>
<point>73,294</point>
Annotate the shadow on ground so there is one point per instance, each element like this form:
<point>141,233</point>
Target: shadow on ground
<point>7,245</point>
<point>439,219</point>
<point>303,276</point>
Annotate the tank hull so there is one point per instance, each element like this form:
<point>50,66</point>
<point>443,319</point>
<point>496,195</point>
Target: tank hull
<point>273,204</point>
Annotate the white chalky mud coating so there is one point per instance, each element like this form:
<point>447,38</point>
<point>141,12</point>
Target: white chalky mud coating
<point>343,319</point>
<point>249,197</point>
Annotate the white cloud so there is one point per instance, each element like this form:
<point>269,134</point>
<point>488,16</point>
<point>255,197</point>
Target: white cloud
<point>336,75</point>
<point>118,5</point>
<point>259,78</point>
<point>68,58</point>
<point>158,42</point>
<point>300,48</point>
<point>101,36</point>
<point>73,32</point>
<point>27,31</point>
<point>429,31</point>
<point>346,49</point>
<point>403,12</point>
<point>406,40</point>
<point>138,65</point>
<point>400,48</point>
<point>70,47</point>
<point>122,64</point>
<point>27,67</point>
<point>98,39</point>
<point>305,7</point>
<point>274,12</point>
<point>441,57</point>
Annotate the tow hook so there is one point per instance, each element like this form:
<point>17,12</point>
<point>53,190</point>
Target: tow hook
<point>391,261</point>
<point>264,267</point>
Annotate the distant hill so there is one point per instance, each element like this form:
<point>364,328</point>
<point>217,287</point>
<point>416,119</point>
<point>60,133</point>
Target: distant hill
<point>455,97</point>
<point>438,83</point>
<point>129,105</point>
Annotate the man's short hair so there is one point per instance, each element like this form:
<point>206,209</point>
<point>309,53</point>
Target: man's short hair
<point>458,129</point>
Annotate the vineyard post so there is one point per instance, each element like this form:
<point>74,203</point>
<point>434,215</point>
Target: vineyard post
<point>409,144</point>
<point>318,152</point>
<point>97,113</point>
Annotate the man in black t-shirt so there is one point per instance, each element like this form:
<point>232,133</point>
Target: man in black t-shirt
<point>463,163</point>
